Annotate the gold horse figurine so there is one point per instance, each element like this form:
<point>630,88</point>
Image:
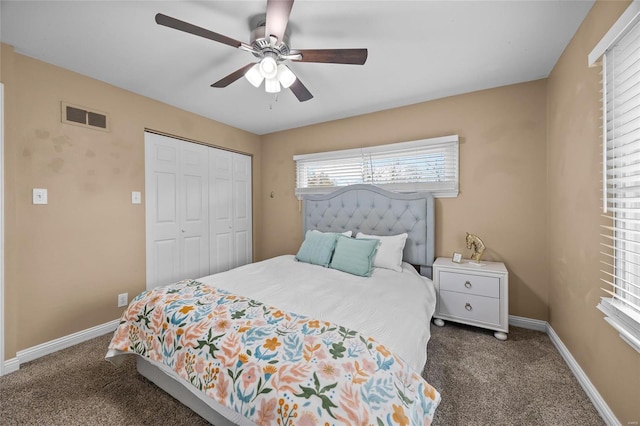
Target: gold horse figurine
<point>476,245</point>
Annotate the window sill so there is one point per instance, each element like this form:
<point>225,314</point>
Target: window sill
<point>623,319</point>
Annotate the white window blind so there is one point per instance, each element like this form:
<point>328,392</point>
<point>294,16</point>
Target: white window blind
<point>621,183</point>
<point>424,165</point>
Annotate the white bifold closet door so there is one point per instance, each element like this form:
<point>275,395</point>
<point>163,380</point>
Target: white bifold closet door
<point>230,195</point>
<point>183,204</point>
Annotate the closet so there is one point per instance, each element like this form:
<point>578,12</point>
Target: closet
<point>198,209</point>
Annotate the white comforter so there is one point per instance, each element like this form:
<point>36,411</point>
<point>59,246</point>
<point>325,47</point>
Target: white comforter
<point>395,308</point>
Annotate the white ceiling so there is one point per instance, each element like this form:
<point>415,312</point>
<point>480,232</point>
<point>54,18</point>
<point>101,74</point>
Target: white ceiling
<point>418,50</point>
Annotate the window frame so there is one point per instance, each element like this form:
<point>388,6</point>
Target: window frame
<point>622,309</point>
<point>363,159</point>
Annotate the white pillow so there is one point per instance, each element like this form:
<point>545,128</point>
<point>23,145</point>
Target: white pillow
<point>389,254</point>
<point>346,234</point>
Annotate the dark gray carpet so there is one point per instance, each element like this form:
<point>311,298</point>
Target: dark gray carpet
<point>483,381</point>
<point>521,381</point>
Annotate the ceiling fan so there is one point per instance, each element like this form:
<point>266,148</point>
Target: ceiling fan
<point>270,44</point>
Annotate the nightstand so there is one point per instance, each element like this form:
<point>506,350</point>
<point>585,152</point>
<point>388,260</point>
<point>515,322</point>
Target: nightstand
<point>473,295</point>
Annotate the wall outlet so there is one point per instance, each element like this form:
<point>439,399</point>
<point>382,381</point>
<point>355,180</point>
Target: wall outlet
<point>123,299</point>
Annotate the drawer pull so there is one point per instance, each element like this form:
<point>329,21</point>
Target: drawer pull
<point>467,284</point>
<point>468,307</point>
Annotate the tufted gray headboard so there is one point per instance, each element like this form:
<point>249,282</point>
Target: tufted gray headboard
<point>375,211</point>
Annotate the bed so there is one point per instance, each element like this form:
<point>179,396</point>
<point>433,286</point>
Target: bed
<point>303,339</point>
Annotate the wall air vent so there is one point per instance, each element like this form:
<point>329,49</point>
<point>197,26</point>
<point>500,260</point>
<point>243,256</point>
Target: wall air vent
<point>81,116</point>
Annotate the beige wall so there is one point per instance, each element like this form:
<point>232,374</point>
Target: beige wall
<point>502,178</point>
<point>67,261</point>
<point>574,218</point>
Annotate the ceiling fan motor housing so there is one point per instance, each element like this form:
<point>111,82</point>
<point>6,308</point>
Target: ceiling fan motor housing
<point>263,45</point>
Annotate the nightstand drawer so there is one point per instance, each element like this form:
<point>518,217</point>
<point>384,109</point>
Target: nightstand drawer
<point>471,307</point>
<point>470,284</point>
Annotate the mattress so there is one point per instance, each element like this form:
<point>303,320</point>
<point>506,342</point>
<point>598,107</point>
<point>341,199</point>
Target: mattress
<point>395,308</point>
<point>334,345</point>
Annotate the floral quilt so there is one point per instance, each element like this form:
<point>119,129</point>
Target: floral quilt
<point>272,366</point>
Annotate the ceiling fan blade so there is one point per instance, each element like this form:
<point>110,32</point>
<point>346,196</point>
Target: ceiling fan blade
<point>224,82</point>
<point>333,56</point>
<point>278,12</point>
<point>301,92</point>
<point>177,24</point>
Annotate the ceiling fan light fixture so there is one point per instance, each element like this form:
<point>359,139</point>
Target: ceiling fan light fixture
<point>271,85</point>
<point>254,76</point>
<point>268,67</point>
<point>286,77</point>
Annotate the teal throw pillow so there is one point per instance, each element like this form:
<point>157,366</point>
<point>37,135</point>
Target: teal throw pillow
<point>354,256</point>
<point>317,248</point>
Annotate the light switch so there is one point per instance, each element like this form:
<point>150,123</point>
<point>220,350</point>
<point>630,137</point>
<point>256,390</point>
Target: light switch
<point>39,196</point>
<point>136,197</point>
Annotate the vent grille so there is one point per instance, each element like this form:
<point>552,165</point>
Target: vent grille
<point>96,120</point>
<point>81,116</point>
<point>76,115</point>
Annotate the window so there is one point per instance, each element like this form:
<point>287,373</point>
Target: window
<point>621,175</point>
<point>424,165</point>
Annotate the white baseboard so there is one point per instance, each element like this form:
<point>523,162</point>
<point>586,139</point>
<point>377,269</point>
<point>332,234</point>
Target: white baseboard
<point>11,365</point>
<point>593,394</point>
<point>55,345</point>
<point>528,323</point>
